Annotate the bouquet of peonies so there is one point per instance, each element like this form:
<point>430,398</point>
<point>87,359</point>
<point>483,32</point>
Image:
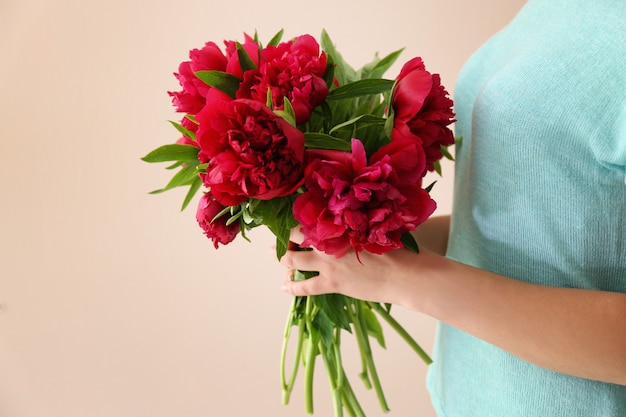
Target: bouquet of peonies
<point>289,134</point>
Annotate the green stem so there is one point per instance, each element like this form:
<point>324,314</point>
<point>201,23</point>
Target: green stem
<point>366,351</point>
<point>339,362</point>
<point>401,331</point>
<point>370,360</point>
<point>352,404</point>
<point>364,375</point>
<point>288,385</point>
<point>309,365</point>
<point>332,369</point>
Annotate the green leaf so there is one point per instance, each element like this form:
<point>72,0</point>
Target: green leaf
<point>343,71</point>
<point>329,72</point>
<point>184,131</point>
<point>384,64</point>
<point>223,81</point>
<point>173,152</point>
<point>388,129</point>
<point>360,122</point>
<point>193,189</point>
<point>276,215</point>
<point>276,39</point>
<point>324,141</point>
<point>269,103</point>
<point>191,118</point>
<point>381,66</point>
<point>234,218</point>
<point>289,108</point>
<point>185,176</point>
<point>409,242</point>
<point>324,326</point>
<point>361,88</point>
<point>222,212</point>
<point>175,165</point>
<point>245,61</point>
<point>287,113</point>
<point>437,166</point>
<point>250,217</point>
<point>446,153</point>
<point>334,306</point>
<point>430,187</point>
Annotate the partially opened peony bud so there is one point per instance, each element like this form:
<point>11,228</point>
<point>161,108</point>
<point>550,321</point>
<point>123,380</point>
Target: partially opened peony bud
<point>216,230</point>
<point>422,111</point>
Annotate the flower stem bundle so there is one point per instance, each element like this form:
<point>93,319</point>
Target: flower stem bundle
<point>319,336</point>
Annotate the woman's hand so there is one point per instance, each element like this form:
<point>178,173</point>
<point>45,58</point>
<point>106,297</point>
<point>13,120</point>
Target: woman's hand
<point>371,277</point>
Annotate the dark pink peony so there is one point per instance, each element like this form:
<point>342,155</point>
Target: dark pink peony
<point>192,97</point>
<point>350,203</point>
<point>251,152</point>
<point>195,92</point>
<point>294,70</point>
<point>216,230</point>
<point>422,110</point>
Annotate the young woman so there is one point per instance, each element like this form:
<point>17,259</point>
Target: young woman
<point>528,275</point>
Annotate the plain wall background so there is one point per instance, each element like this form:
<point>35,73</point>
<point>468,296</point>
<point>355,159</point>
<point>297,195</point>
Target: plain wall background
<point>112,302</point>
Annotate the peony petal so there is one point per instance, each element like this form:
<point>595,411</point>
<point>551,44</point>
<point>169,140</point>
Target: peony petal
<point>406,157</point>
<point>410,93</point>
<point>414,64</point>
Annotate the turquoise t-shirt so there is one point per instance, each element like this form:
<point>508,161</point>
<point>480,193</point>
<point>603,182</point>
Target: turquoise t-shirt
<point>540,195</point>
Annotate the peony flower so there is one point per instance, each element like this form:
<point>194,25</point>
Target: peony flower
<point>216,230</point>
<point>292,70</point>
<point>422,110</point>
<point>195,92</point>
<point>350,203</point>
<point>251,152</point>
<point>192,97</point>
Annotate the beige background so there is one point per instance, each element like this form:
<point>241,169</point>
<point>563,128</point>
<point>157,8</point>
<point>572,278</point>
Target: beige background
<point>112,303</point>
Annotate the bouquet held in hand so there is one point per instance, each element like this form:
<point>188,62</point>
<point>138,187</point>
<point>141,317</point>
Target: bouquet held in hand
<point>289,135</point>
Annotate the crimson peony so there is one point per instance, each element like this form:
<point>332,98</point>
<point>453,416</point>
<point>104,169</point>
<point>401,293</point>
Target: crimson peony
<point>422,110</point>
<point>251,152</point>
<point>350,203</point>
<point>292,70</point>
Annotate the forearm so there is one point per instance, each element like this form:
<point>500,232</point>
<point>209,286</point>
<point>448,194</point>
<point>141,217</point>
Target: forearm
<point>433,234</point>
<point>572,331</point>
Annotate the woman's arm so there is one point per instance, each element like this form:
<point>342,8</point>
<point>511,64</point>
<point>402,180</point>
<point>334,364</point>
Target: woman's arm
<point>433,234</point>
<point>572,331</point>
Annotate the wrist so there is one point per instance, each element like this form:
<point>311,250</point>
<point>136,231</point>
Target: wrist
<point>416,288</point>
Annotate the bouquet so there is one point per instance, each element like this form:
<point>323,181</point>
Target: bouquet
<point>289,134</point>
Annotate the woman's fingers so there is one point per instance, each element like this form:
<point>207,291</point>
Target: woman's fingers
<point>304,260</point>
<point>312,286</point>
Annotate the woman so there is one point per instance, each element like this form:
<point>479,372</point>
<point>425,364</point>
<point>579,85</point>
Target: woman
<point>530,286</point>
